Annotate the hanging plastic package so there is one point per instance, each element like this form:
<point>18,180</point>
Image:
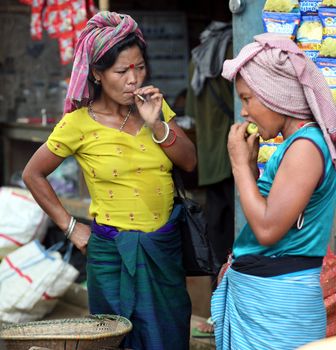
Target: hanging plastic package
<point>309,36</point>
<point>266,150</point>
<point>326,60</point>
<point>328,19</point>
<point>309,7</point>
<point>281,17</point>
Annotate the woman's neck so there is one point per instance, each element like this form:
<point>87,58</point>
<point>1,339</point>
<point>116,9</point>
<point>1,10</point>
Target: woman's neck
<point>109,107</point>
<point>293,124</point>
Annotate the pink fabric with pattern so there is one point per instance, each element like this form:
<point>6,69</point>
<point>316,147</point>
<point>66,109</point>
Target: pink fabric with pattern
<point>101,33</point>
<point>286,81</point>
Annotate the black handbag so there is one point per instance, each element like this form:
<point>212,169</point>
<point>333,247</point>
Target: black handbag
<point>197,253</point>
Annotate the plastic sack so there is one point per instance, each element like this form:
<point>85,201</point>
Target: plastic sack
<point>328,283</point>
<point>21,219</point>
<point>31,280</point>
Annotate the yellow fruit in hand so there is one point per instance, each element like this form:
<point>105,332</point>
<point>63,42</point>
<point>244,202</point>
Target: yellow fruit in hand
<point>252,129</point>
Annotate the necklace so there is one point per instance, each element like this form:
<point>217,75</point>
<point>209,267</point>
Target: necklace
<point>94,117</point>
<point>125,119</point>
<point>302,125</point>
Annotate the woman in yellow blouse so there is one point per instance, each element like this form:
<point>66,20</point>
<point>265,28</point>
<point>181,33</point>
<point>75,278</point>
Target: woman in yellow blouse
<point>113,127</point>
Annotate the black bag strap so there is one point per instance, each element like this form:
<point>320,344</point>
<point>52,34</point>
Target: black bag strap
<point>221,103</point>
<point>179,186</point>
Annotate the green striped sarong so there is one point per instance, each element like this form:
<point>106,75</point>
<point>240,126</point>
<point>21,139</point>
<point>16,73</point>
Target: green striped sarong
<point>140,276</point>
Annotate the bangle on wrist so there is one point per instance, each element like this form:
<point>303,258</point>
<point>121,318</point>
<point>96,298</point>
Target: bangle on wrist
<point>170,143</point>
<point>70,228</point>
<point>165,135</point>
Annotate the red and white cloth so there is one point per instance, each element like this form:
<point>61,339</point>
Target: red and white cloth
<point>62,19</point>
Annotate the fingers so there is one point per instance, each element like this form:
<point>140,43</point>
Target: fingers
<point>81,237</point>
<point>147,93</point>
<point>147,90</point>
<point>244,126</point>
<point>156,96</point>
<point>238,130</point>
<point>252,140</point>
<point>141,98</point>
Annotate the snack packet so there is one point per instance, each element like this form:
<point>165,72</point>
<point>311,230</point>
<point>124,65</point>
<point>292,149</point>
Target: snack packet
<point>328,69</point>
<point>280,5</point>
<point>282,23</point>
<point>309,36</point>
<point>309,7</point>
<point>328,3</point>
<point>328,18</point>
<point>266,150</point>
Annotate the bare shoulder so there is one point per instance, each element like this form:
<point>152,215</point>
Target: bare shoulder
<point>303,157</point>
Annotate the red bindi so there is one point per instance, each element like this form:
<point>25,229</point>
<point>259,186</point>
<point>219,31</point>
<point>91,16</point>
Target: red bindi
<point>131,66</point>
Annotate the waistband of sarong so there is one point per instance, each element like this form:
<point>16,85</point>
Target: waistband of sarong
<point>268,266</point>
<point>110,232</point>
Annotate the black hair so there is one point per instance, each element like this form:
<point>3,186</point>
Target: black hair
<point>110,57</point>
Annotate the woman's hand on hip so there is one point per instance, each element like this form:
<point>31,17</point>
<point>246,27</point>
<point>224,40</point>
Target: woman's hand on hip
<point>150,107</point>
<point>80,236</point>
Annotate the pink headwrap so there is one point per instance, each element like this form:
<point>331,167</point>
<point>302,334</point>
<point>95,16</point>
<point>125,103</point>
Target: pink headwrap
<point>101,33</point>
<point>286,81</point>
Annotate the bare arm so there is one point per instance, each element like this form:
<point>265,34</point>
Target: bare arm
<point>182,152</point>
<point>270,218</point>
<point>41,164</point>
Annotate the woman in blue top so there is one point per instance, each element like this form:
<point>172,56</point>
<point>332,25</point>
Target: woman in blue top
<point>270,296</point>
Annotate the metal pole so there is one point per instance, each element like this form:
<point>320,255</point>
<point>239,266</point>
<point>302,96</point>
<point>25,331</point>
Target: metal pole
<point>104,5</point>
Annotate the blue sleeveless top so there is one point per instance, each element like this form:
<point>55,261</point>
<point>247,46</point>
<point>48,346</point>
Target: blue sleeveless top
<point>314,236</point>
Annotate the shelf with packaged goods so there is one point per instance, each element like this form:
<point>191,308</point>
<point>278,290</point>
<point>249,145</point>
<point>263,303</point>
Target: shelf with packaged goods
<point>19,142</point>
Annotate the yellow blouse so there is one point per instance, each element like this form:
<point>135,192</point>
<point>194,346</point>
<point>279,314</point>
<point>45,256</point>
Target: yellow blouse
<point>128,177</point>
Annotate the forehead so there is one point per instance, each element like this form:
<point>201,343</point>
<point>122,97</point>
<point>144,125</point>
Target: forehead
<point>130,55</point>
<point>241,86</point>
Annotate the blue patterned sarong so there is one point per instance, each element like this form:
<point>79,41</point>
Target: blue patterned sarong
<point>140,276</point>
<point>268,313</point>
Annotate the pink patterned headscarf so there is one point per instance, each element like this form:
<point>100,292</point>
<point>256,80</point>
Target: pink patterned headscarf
<point>286,81</point>
<point>101,33</point>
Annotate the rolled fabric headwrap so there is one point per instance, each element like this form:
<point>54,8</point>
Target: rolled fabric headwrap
<point>286,81</point>
<point>101,33</point>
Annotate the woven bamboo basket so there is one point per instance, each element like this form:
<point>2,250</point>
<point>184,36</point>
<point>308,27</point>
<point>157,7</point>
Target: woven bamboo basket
<point>97,332</point>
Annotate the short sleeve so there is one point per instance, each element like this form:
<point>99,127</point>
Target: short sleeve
<point>65,139</point>
<point>168,113</point>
